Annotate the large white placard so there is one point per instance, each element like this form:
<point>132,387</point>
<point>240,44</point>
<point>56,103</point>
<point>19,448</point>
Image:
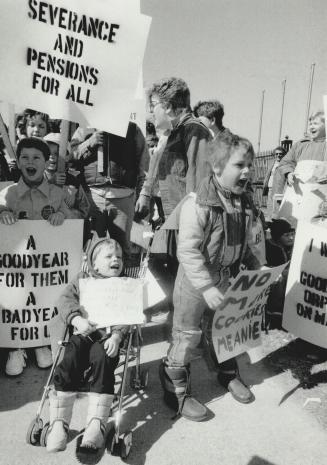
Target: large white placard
<point>306,293</point>
<point>236,325</point>
<point>37,261</point>
<point>76,60</point>
<point>112,301</point>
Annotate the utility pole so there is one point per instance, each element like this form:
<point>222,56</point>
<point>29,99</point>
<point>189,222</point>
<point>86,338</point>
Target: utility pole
<point>309,99</point>
<point>260,122</point>
<point>282,112</point>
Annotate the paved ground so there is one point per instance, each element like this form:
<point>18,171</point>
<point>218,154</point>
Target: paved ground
<point>286,425</point>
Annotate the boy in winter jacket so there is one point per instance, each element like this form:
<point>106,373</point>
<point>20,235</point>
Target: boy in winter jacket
<point>213,240</point>
<point>88,348</point>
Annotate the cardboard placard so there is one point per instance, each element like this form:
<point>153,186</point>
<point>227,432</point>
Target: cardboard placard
<point>76,60</point>
<point>305,309</point>
<point>34,270</point>
<point>236,325</point>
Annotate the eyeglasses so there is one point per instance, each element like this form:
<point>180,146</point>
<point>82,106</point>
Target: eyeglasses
<point>153,104</point>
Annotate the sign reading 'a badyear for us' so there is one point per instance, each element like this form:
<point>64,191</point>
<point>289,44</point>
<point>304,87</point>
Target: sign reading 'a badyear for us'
<point>76,60</point>
<point>237,322</point>
<point>35,267</point>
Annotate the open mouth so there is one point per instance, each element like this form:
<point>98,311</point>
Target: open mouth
<point>31,171</point>
<point>242,183</point>
<point>114,267</point>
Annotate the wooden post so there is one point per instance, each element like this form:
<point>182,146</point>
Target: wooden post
<point>6,140</point>
<point>64,131</point>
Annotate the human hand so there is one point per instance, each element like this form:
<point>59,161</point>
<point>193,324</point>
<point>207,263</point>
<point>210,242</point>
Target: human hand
<point>111,345</point>
<point>213,297</point>
<point>56,219</point>
<point>290,179</point>
<point>83,326</point>
<point>142,206</point>
<point>12,164</point>
<point>8,218</point>
<point>60,179</point>
<point>96,139</point>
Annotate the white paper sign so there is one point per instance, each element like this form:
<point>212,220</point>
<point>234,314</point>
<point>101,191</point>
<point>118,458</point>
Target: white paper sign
<point>302,201</point>
<point>306,293</point>
<point>75,60</point>
<point>112,301</point>
<point>236,325</point>
<point>35,267</point>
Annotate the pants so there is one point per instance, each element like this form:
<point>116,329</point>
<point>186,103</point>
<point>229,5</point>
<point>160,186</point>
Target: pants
<point>115,216</point>
<point>189,306</point>
<point>86,354</point>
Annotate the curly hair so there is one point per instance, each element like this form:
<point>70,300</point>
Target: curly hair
<point>210,109</point>
<point>24,118</point>
<point>173,91</point>
<point>220,150</point>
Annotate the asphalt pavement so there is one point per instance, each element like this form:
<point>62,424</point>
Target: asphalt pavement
<point>286,425</point>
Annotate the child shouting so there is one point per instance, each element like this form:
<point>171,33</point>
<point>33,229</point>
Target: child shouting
<point>32,198</point>
<point>213,241</point>
<point>88,347</point>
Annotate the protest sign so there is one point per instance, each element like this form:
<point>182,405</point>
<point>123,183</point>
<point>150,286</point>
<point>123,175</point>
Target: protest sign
<point>35,267</point>
<point>306,293</point>
<point>302,200</point>
<point>236,325</point>
<point>78,61</point>
<point>112,301</point>
<point>121,300</point>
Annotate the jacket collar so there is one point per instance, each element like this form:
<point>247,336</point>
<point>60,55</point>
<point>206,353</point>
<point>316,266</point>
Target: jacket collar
<point>22,187</point>
<point>210,191</point>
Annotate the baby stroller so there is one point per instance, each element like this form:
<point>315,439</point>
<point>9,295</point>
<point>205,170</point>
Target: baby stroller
<point>119,443</point>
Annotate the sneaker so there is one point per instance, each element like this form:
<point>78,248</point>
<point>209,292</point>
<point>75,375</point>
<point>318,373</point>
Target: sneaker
<point>16,362</point>
<point>43,357</point>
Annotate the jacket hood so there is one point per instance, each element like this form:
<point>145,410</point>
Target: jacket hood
<point>88,257</point>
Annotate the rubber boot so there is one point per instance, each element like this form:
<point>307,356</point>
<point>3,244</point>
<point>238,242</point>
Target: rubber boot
<point>96,421</point>
<point>175,382</point>
<point>61,409</point>
<point>234,384</point>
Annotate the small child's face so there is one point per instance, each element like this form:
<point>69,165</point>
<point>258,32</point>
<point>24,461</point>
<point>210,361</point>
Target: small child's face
<point>54,152</point>
<point>235,175</point>
<point>109,260</point>
<point>32,165</point>
<point>36,127</point>
<point>287,239</point>
<point>317,128</point>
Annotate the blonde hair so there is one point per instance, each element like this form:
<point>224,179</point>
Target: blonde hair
<point>102,244</point>
<point>220,150</point>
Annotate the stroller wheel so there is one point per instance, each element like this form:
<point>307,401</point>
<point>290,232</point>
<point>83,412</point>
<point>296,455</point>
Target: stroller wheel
<point>125,443</point>
<point>34,432</point>
<point>123,446</point>
<point>44,434</point>
<point>140,382</point>
<point>144,378</point>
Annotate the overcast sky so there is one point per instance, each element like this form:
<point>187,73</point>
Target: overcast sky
<point>234,49</point>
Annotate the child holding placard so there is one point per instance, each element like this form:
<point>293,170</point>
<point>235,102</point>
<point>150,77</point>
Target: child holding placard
<point>89,347</point>
<point>214,230</point>
<point>33,198</point>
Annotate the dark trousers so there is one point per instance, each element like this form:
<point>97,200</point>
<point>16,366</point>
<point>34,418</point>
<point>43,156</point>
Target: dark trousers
<point>85,357</point>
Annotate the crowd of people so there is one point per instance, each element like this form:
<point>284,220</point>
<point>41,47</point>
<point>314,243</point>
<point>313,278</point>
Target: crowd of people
<point>188,165</point>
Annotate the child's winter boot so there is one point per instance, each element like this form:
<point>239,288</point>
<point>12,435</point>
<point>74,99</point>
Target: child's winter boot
<point>175,382</point>
<point>61,409</point>
<point>96,421</point>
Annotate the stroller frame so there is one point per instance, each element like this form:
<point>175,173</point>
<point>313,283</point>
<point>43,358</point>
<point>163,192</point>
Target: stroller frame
<point>120,443</point>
